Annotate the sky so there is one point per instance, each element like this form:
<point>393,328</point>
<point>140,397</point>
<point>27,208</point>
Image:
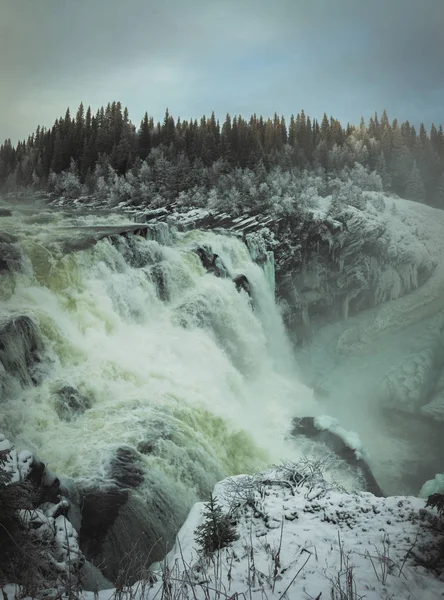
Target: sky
<point>348,58</point>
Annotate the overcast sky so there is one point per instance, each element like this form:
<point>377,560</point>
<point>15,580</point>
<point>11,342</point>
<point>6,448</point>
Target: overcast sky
<point>344,57</point>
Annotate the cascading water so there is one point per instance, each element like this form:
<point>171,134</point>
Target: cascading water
<point>147,353</point>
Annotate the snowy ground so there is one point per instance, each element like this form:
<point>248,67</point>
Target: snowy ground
<point>298,539</point>
<point>306,539</point>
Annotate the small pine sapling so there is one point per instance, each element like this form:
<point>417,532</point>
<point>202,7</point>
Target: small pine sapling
<point>216,531</point>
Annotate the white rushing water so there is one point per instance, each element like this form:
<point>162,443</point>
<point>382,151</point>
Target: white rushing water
<point>198,377</point>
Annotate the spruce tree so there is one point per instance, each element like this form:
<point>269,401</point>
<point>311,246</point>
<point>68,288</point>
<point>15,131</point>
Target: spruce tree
<point>144,137</point>
<point>382,169</point>
<point>438,196</point>
<point>415,187</point>
<point>216,531</point>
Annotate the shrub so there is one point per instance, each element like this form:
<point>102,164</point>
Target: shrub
<point>13,498</point>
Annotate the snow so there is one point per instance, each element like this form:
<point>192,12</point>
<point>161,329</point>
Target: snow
<point>350,438</point>
<point>433,486</point>
<point>299,539</point>
<point>304,528</point>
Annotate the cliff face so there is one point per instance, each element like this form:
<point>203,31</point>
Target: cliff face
<point>328,269</point>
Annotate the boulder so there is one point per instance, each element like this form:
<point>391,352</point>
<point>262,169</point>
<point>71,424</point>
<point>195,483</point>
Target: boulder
<point>159,276</point>
<point>21,349</point>
<point>211,262</point>
<point>126,468</point>
<point>70,403</point>
<point>306,426</point>
<point>241,282</point>
<point>11,255</point>
<point>121,528</point>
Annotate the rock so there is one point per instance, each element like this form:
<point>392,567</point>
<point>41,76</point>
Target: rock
<point>206,256</point>
<point>241,282</point>
<point>21,349</point>
<point>5,212</point>
<point>119,526</point>
<point>11,255</point>
<point>211,261</point>
<point>159,276</point>
<point>218,267</point>
<point>92,579</point>
<point>100,506</point>
<point>131,514</point>
<point>45,484</point>
<point>126,469</point>
<point>305,426</point>
<point>70,403</point>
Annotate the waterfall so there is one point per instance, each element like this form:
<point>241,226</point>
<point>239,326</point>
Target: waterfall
<point>144,349</point>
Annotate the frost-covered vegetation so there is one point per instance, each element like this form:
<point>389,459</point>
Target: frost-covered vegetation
<point>236,191</point>
<point>38,544</point>
<point>238,165</point>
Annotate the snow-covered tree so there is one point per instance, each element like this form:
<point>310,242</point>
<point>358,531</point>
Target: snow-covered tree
<point>415,189</point>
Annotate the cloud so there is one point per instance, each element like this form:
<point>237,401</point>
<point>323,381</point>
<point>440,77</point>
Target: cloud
<point>340,56</point>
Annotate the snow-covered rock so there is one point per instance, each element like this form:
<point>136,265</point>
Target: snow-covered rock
<point>433,486</point>
<point>304,538</point>
<point>329,267</point>
<point>299,537</point>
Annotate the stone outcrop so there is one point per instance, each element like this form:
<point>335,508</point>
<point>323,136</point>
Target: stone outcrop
<point>21,348</point>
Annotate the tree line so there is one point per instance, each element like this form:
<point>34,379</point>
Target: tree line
<point>410,163</point>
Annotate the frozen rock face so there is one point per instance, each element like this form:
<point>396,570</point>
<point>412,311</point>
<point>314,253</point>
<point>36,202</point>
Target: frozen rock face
<point>415,383</point>
<point>366,299</point>
<point>330,268</point>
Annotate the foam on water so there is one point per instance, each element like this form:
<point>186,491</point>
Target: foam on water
<point>198,382</point>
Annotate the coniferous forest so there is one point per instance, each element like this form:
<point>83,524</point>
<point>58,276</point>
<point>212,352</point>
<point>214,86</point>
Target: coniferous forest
<point>158,163</point>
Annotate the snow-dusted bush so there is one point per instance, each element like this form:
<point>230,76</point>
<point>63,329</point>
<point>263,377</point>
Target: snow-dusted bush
<point>38,545</point>
<point>364,179</point>
<point>346,194</point>
<point>377,201</point>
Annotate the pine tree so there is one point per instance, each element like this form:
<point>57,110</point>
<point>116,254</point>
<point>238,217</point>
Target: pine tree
<point>382,169</point>
<point>144,137</point>
<point>438,196</point>
<point>57,157</point>
<point>415,187</point>
<point>216,531</point>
